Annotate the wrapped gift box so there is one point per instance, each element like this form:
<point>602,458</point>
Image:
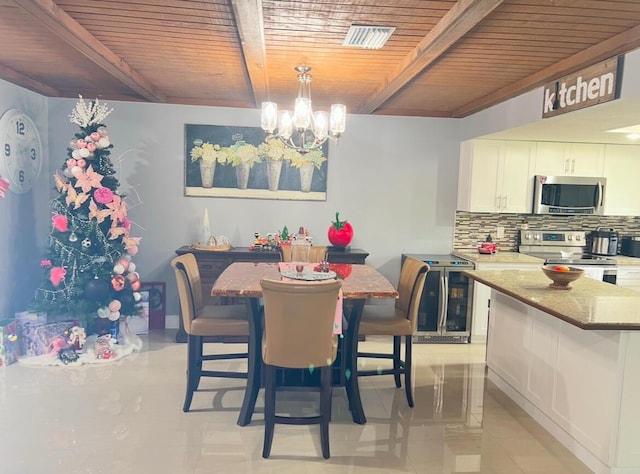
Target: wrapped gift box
<point>27,323</point>
<point>9,348</point>
<point>43,339</point>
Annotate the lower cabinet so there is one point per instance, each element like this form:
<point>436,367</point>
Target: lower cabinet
<point>482,297</point>
<point>576,383</point>
<point>628,277</point>
<point>212,263</point>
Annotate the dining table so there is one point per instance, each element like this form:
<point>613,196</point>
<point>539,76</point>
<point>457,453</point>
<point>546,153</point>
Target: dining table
<point>360,283</point>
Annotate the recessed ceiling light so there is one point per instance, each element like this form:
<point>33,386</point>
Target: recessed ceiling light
<point>369,37</point>
<point>633,136</point>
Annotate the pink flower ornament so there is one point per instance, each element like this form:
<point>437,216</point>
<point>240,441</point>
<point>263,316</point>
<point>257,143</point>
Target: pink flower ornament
<point>91,147</point>
<point>95,136</point>
<point>56,275</point>
<point>81,143</point>
<point>45,263</point>
<point>60,223</point>
<point>103,195</point>
<point>82,163</point>
<point>71,163</point>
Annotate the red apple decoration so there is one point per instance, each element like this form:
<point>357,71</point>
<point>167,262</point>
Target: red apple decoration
<point>340,233</point>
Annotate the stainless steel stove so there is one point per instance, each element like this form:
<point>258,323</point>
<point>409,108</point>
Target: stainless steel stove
<point>567,247</point>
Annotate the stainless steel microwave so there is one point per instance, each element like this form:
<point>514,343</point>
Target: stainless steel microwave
<point>568,195</point>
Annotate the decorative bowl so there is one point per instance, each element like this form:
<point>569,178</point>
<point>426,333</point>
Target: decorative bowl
<point>561,277</point>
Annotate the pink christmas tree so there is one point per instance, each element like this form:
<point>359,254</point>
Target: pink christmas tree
<point>89,274</point>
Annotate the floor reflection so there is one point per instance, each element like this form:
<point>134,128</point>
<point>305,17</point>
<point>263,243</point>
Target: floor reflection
<point>128,418</point>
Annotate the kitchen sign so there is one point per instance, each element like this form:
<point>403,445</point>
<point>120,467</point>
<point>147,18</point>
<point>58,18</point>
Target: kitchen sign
<point>594,85</point>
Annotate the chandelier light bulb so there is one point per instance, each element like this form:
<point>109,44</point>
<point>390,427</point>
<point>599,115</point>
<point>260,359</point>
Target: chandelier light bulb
<point>320,125</point>
<point>338,119</point>
<point>302,113</point>
<point>285,125</point>
<point>269,116</point>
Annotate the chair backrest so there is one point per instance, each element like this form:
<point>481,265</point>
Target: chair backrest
<point>189,264</point>
<point>317,253</point>
<point>185,292</point>
<point>410,287</point>
<point>298,323</point>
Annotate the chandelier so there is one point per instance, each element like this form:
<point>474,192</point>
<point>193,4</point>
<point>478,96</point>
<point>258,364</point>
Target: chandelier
<point>303,129</point>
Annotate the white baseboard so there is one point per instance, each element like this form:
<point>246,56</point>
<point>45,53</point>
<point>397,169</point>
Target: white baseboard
<point>171,321</point>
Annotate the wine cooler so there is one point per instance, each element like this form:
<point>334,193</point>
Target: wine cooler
<point>446,305</point>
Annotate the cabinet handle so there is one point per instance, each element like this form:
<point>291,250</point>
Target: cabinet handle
<point>498,201</point>
<point>573,166</point>
<point>206,267</point>
<point>566,166</point>
<point>504,202</point>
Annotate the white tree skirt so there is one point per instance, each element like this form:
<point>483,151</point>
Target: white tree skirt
<point>127,343</point>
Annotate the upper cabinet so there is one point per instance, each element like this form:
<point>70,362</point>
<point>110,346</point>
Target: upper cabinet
<point>569,159</point>
<point>622,168</point>
<point>495,176</point>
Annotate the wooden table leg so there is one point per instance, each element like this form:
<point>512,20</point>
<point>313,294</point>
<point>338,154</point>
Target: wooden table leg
<point>254,372</point>
<point>353,390</point>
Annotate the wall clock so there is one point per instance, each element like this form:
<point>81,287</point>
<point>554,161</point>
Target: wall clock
<point>20,150</point>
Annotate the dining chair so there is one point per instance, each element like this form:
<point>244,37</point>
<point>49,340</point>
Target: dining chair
<point>398,321</point>
<point>298,334</point>
<point>202,321</point>
<point>317,253</point>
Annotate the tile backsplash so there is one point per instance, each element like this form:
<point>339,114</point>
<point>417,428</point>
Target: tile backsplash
<point>471,228</point>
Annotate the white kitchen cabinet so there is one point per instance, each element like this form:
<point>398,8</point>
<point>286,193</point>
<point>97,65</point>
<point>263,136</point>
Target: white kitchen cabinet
<point>569,159</point>
<point>622,168</point>
<point>628,277</point>
<point>495,176</point>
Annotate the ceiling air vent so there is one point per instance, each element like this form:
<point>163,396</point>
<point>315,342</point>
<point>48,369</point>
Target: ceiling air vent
<point>370,37</point>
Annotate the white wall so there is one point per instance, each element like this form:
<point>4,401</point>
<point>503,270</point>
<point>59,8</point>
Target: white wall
<point>393,178</point>
<point>22,216</point>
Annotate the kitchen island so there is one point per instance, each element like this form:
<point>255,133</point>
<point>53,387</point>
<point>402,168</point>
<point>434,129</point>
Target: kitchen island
<point>571,360</point>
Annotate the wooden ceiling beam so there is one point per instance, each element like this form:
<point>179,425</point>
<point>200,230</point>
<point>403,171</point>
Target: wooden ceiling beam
<point>76,36</point>
<point>250,23</point>
<point>21,80</point>
<point>461,18</point>
<point>619,44</point>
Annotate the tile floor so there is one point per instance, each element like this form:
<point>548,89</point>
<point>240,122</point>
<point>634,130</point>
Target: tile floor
<point>127,417</point>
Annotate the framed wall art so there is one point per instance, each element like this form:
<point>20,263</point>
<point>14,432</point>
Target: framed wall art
<point>237,162</point>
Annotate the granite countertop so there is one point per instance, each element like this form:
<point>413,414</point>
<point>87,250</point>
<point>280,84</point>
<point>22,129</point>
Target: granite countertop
<point>516,257</point>
<point>627,261</point>
<point>498,257</point>
<point>589,304</point>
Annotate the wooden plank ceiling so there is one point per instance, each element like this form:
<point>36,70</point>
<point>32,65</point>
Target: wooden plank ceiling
<point>445,58</point>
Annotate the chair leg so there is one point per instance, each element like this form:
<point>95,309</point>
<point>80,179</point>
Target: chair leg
<point>325,409</point>
<point>396,360</point>
<point>407,370</point>
<point>269,408</point>
<point>194,368</point>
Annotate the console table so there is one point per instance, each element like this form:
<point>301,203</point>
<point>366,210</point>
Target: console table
<point>212,263</point>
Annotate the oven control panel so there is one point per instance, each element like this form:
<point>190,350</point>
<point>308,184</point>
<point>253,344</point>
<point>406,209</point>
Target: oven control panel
<point>567,238</point>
